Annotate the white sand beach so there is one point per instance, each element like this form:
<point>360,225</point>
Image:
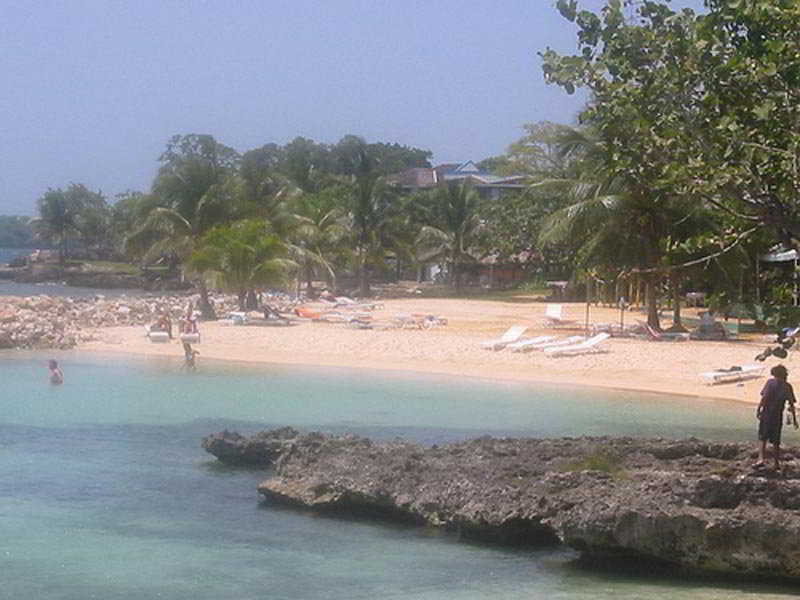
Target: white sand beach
<point>454,349</point>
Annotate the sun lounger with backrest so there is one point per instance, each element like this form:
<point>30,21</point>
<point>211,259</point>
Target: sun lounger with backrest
<point>553,316</point>
<point>512,334</point>
<point>589,346</point>
<point>567,341</point>
<point>529,343</point>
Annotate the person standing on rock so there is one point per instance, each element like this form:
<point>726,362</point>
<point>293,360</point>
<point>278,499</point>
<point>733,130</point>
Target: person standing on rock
<point>776,393</point>
<point>56,375</point>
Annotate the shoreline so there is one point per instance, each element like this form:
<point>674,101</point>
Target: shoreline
<point>629,365</point>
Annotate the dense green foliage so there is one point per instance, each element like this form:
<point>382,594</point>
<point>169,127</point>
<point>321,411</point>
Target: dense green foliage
<point>16,232</point>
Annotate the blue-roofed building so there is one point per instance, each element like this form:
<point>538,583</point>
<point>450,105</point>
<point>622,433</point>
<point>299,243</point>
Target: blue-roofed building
<point>486,184</point>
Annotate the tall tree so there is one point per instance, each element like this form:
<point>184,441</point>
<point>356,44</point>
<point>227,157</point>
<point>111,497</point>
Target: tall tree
<point>453,230</point>
<point>70,213</point>
<point>747,161</point>
<point>241,257</point>
<point>645,75</point>
<point>318,242</point>
<point>370,210</point>
<point>192,197</point>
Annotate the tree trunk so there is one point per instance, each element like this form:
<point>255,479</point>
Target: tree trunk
<point>242,298</point>
<point>251,300</point>
<point>363,283</point>
<point>309,280</point>
<point>206,309</point>
<point>456,276</point>
<point>651,299</point>
<point>62,251</point>
<point>675,284</point>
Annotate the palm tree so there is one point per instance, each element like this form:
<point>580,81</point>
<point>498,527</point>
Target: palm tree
<point>321,230</point>
<point>452,233</point>
<point>371,211</point>
<point>613,223</point>
<point>241,257</point>
<point>193,194</point>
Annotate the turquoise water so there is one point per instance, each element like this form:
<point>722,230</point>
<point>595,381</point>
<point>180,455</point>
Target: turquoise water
<point>106,493</point>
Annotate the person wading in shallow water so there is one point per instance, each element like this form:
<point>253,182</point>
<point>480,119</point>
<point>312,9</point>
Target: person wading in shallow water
<point>56,375</point>
<point>190,355</point>
<point>776,393</point>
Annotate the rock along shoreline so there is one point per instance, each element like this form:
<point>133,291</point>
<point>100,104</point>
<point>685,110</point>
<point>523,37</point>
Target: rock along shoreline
<point>62,322</point>
<point>696,505</point>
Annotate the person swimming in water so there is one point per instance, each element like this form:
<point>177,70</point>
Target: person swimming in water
<point>56,375</point>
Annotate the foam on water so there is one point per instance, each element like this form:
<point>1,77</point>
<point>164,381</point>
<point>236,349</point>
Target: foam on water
<point>106,493</point>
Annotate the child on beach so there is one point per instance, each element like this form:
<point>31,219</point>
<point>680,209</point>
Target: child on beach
<point>776,393</point>
<point>56,375</point>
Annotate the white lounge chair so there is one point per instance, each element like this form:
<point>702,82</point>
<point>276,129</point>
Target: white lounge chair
<point>191,338</point>
<point>553,316</point>
<point>733,374</point>
<point>156,335</point>
<point>511,335</point>
<point>529,343</point>
<point>567,341</point>
<point>589,346</point>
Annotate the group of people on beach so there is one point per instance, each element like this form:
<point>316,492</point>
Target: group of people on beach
<point>188,323</point>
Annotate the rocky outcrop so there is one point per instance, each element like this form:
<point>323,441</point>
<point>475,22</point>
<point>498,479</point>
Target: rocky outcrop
<point>50,322</point>
<point>693,504</point>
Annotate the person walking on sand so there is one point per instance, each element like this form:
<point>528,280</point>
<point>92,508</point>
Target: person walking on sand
<point>776,393</point>
<point>56,375</point>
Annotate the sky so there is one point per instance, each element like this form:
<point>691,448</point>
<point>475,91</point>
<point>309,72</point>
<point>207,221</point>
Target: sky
<point>91,90</point>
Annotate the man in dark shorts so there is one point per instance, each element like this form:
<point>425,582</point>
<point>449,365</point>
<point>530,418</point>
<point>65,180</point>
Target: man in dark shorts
<point>776,393</point>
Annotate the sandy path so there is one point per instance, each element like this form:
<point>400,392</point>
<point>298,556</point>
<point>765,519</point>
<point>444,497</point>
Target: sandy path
<point>665,367</point>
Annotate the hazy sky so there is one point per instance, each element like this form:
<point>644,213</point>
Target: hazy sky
<point>90,91</point>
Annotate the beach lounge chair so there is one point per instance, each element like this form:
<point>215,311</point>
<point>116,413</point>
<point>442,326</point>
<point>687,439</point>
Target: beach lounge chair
<point>553,316</point>
<point>191,338</point>
<point>589,346</point>
<point>511,335</point>
<point>664,336</point>
<point>410,321</point>
<point>529,343</point>
<point>237,318</point>
<point>156,335</point>
<point>732,374</point>
<point>567,341</point>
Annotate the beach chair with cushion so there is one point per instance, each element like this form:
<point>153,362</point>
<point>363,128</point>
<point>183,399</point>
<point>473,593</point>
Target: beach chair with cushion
<point>553,316</point>
<point>511,335</point>
<point>528,344</point>
<point>733,374</point>
<point>589,346</point>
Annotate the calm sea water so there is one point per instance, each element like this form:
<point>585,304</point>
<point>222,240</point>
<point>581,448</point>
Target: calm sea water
<point>106,493</point>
